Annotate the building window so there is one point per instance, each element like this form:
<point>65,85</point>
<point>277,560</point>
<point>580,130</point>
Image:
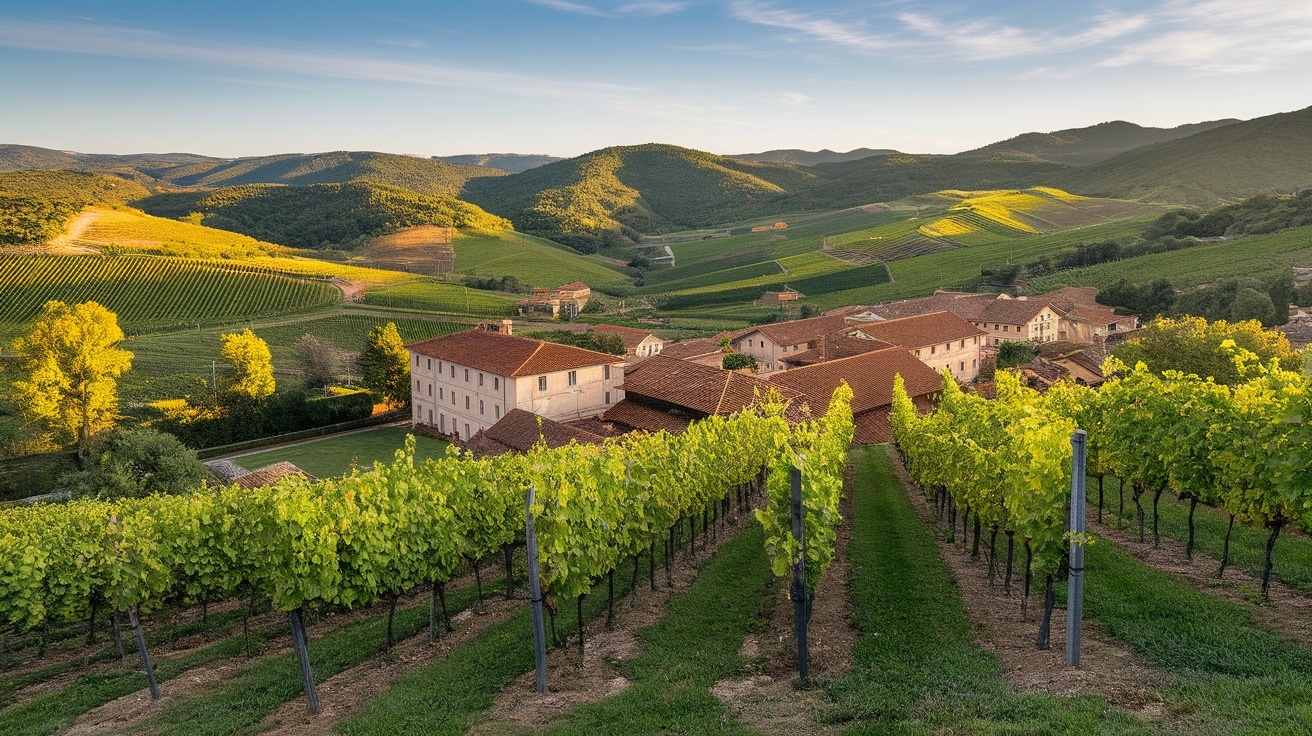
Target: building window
<point>439,366</point>
<point>606,373</point>
<point>441,392</point>
<point>963,365</point>
<point>947,348</point>
<point>480,405</point>
<point>573,378</point>
<point>496,409</point>
<point>466,430</point>
<point>442,418</point>
<point>963,343</point>
<point>430,389</point>
<point>496,383</point>
<point>453,371</point>
<point>607,397</point>
<point>466,375</point>
<point>749,343</point>
<point>933,349</point>
<point>416,384</point>
<point>974,362</point>
<point>466,401</point>
<point>430,417</point>
<point>430,364</point>
<point>1004,328</point>
<point>480,379</point>
<point>453,398</point>
<point>542,383</point>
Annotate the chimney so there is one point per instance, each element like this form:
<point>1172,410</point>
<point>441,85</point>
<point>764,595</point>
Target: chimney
<point>507,326</point>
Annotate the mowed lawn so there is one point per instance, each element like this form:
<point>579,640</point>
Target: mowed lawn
<point>333,456</point>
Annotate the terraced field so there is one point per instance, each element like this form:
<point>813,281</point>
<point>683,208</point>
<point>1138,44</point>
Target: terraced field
<point>534,261</point>
<point>154,293</point>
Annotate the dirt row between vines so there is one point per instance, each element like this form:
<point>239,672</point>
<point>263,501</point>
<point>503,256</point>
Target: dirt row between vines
<point>771,700</point>
<point>1106,668</point>
<point>574,679</point>
<point>1288,613</point>
<point>129,710</point>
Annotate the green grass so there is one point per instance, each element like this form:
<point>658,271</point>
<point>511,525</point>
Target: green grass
<point>692,646</point>
<point>921,275</point>
<point>440,297</point>
<point>1257,254</point>
<point>55,711</point>
<point>334,456</point>
<point>175,364</point>
<point>534,261</point>
<point>240,704</point>
<point>1292,561</point>
<point>916,667</point>
<point>1234,676</point>
<point>152,293</point>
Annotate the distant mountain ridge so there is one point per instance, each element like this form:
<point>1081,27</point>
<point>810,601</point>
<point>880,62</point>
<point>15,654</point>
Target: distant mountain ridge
<point>1267,154</point>
<point>799,157</point>
<point>1083,146</point>
<point>425,176</point>
<point>513,162</point>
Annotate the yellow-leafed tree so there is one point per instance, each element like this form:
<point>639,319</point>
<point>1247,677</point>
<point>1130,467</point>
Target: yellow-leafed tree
<point>252,364</point>
<point>72,361</point>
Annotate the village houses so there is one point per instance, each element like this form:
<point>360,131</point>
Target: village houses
<point>464,382</point>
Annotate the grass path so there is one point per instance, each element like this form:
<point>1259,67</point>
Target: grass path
<point>917,667</point>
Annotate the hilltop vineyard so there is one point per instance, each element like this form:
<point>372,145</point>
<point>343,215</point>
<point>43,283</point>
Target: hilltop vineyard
<point>150,293</point>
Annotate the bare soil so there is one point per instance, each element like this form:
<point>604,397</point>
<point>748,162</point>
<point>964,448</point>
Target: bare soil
<point>352,291</point>
<point>573,679</point>
<point>772,699</point>
<point>1106,668</point>
<point>344,694</point>
<point>1288,613</point>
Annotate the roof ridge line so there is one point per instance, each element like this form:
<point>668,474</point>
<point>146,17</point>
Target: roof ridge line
<point>523,363</point>
<point>724,391</point>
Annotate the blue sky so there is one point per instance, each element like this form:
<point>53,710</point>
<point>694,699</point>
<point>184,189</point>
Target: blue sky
<point>565,77</point>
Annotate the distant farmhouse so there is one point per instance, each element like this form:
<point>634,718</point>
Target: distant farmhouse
<point>775,298</point>
<point>569,300</point>
<point>465,382</point>
<point>766,228</point>
<point>638,343</point>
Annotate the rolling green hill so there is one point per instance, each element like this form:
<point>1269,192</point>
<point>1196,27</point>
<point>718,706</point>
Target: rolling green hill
<point>35,206</point>
<point>590,200</point>
<point>1082,146</point>
<point>798,157</point>
<point>1272,153</point>
<point>423,175</point>
<point>319,215</point>
<point>512,162</point>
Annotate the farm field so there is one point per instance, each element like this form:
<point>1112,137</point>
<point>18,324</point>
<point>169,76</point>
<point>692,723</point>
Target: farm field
<point>127,230</point>
<point>154,293</point>
<point>1250,256</point>
<point>534,261</point>
<point>922,660</point>
<point>442,297</point>
<point>175,364</point>
<point>333,456</point>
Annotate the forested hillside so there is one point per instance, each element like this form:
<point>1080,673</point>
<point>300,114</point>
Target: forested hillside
<point>319,215</point>
<point>1081,146</point>
<point>798,157</point>
<point>512,162</point>
<point>591,200</point>
<point>1272,153</point>
<point>35,206</point>
<point>423,175</point>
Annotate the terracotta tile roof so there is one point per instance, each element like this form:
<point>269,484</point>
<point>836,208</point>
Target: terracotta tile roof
<point>640,416</point>
<point>870,375</point>
<point>873,427</point>
<point>698,388</point>
<point>795,332</point>
<point>694,348</point>
<point>967,306</point>
<point>1069,296</point>
<point>633,336</point>
<point>1098,315</point>
<point>1012,311</point>
<point>508,355</point>
<point>271,474</point>
<point>575,286</point>
<point>519,431</point>
<point>922,330</point>
<point>832,347</point>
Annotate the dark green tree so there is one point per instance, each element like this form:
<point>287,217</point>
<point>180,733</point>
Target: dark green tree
<point>133,463</point>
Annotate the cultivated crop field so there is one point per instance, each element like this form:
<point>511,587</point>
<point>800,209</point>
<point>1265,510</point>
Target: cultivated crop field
<point>153,293</point>
<point>534,261</point>
<point>442,297</point>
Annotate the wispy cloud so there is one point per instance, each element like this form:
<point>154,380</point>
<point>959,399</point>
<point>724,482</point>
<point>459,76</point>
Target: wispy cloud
<point>651,8</point>
<point>120,41</point>
<point>921,34</point>
<point>569,7</point>
<point>1221,36</point>
<point>631,9</point>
